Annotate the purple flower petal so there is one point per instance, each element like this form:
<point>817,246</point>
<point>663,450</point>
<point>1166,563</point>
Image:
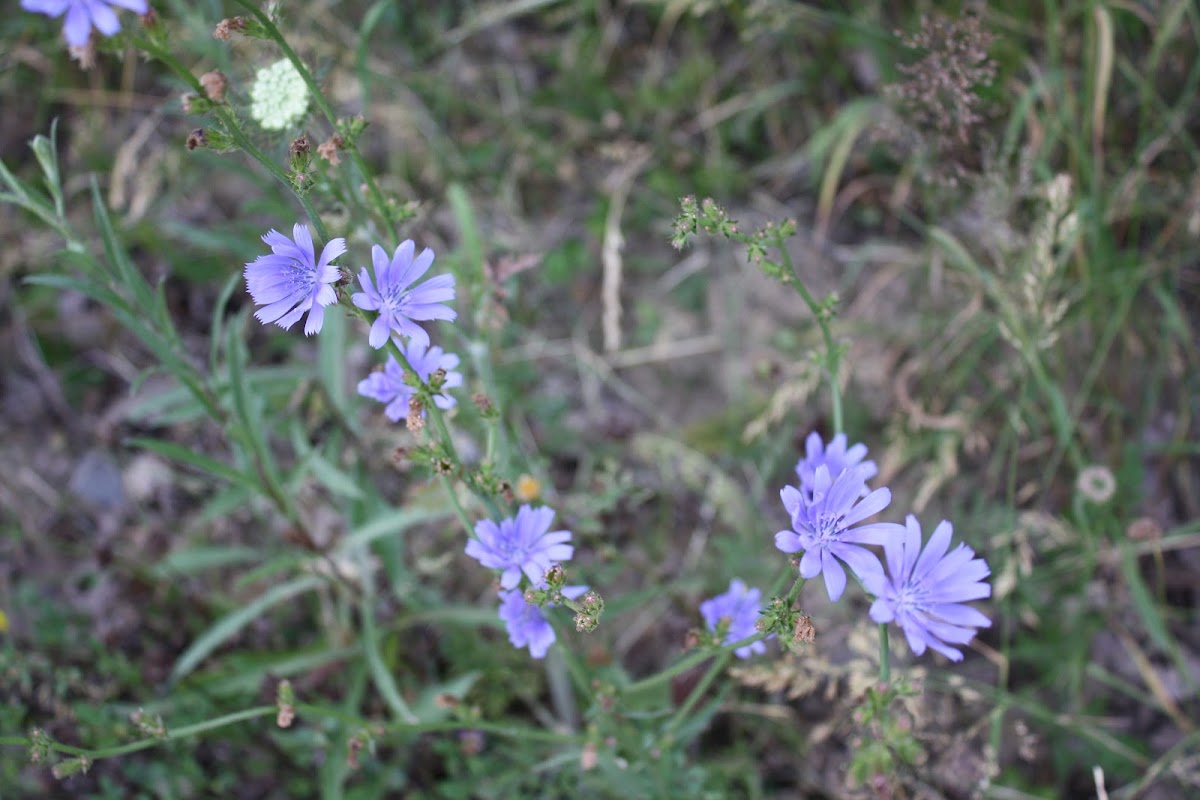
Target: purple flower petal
<point>83,15</point>
<point>398,302</point>
<point>836,458</point>
<point>77,27</point>
<point>925,590</point>
<point>738,609</point>
<point>389,386</point>
<point>289,282</point>
<point>520,544</point>
<point>104,19</point>
<point>823,520</point>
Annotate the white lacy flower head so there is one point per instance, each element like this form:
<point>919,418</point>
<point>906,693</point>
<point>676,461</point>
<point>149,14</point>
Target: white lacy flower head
<point>279,97</point>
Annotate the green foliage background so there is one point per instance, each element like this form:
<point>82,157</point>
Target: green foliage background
<point>999,344</point>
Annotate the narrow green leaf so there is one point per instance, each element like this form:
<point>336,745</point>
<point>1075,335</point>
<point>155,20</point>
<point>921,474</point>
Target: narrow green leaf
<point>198,559</point>
<point>218,319</point>
<point>85,286</point>
<point>390,524</point>
<point>228,626</point>
<point>1152,619</point>
<point>361,51</point>
<point>331,359</point>
<point>124,272</point>
<point>380,675</point>
<point>333,478</point>
<point>177,452</point>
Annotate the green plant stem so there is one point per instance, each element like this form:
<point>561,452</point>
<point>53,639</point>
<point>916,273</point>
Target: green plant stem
<point>833,356</point>
<point>794,592</point>
<point>322,712</point>
<point>715,669</point>
<point>684,664</point>
<point>699,656</point>
<point>323,105</point>
<point>885,662</point>
<point>443,434</point>
<point>381,676</point>
<point>172,735</point>
<point>234,129</point>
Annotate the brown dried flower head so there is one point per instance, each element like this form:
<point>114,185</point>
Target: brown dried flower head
<point>416,415</point>
<point>329,148</point>
<point>227,27</point>
<point>805,632</point>
<point>214,84</point>
<point>940,92</point>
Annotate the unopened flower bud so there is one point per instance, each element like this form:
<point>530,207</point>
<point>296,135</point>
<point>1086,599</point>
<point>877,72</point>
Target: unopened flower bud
<point>39,746</point>
<point>438,379</point>
<point>67,768</point>
<point>593,602</point>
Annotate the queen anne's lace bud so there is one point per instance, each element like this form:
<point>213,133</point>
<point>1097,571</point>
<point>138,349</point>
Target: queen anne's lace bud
<point>279,97</point>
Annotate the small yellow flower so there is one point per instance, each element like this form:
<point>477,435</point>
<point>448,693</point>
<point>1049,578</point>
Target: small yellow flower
<point>3,622</point>
<point>529,488</point>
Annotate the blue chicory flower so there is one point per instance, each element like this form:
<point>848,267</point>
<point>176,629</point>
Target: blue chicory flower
<point>821,527</point>
<point>526,624</point>
<point>291,280</point>
<point>739,606</point>
<point>521,544</point>
<point>83,15</point>
<point>398,302</point>
<point>835,457</point>
<point>390,387</point>
<point>924,592</point>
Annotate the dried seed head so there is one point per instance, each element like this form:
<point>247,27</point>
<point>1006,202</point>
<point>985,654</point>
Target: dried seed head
<point>214,84</point>
<point>416,414</point>
<point>329,148</point>
<point>1144,529</point>
<point>805,632</point>
<point>227,27</point>
<point>1096,483</point>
